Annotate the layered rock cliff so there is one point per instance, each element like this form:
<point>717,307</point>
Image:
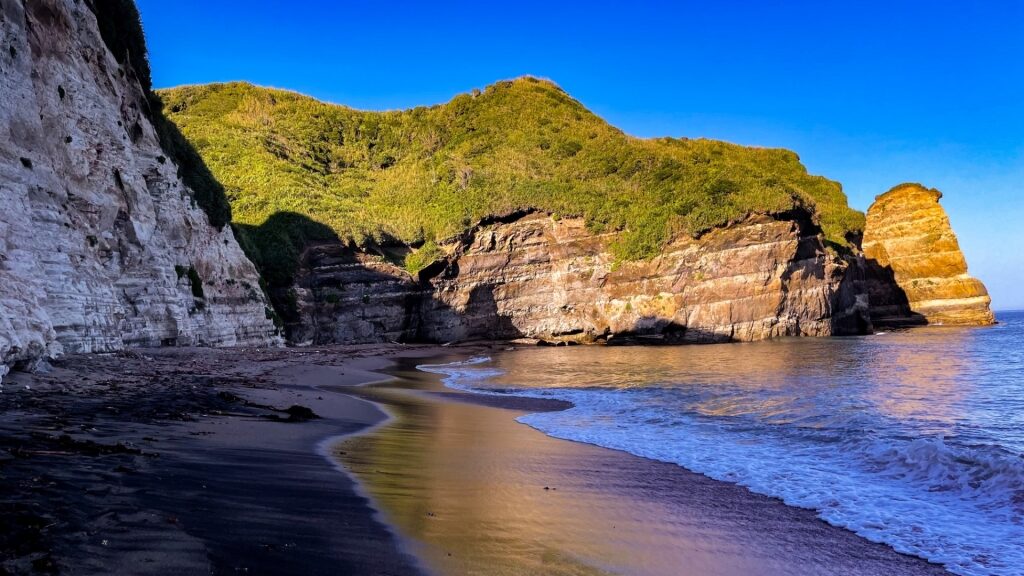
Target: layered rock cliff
<point>101,244</point>
<point>916,271</point>
<point>531,275</point>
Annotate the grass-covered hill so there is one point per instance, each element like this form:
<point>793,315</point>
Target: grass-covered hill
<point>419,176</point>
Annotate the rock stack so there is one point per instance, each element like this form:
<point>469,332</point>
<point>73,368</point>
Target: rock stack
<point>916,271</point>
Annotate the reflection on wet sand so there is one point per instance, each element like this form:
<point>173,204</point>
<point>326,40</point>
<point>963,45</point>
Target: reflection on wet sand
<point>474,492</point>
<point>454,476</point>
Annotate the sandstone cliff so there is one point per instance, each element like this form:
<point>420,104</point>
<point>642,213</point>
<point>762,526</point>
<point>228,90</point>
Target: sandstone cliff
<point>916,271</point>
<point>101,244</point>
<point>530,275</point>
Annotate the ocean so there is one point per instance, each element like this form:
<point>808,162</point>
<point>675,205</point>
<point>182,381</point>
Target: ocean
<point>914,438</point>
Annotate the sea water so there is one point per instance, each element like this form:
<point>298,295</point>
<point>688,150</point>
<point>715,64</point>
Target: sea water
<point>913,438</point>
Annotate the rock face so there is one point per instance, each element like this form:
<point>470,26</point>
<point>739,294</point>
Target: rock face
<point>348,297</point>
<point>101,245</point>
<point>761,278</point>
<point>533,276</point>
<point>916,272</point>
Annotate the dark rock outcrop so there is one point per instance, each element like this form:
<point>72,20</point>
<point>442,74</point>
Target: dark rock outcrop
<point>528,275</point>
<point>347,296</point>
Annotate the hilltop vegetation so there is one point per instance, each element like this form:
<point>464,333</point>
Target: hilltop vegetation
<point>121,29</point>
<point>422,175</point>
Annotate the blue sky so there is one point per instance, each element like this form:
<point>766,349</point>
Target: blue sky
<point>867,93</point>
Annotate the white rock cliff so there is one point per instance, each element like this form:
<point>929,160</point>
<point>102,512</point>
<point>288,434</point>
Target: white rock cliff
<point>98,235</point>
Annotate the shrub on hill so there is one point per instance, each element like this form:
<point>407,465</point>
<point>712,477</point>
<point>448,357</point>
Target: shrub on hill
<point>426,174</point>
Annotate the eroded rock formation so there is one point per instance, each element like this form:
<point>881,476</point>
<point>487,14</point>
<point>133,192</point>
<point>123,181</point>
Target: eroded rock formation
<point>101,245</point>
<point>916,271</point>
<point>534,276</point>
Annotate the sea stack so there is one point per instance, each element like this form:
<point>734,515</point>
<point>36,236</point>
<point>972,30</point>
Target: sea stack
<point>916,271</point>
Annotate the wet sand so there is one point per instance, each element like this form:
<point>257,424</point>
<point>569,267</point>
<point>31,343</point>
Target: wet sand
<point>198,461</point>
<point>471,491</point>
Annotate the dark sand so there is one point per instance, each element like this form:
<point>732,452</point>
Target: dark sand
<point>175,461</point>
<point>188,461</point>
<point>471,491</point>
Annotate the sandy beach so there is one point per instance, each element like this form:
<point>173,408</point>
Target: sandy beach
<point>234,461</point>
<point>188,461</point>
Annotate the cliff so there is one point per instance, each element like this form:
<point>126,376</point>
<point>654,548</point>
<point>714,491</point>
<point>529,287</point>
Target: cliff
<point>102,245</point>
<point>371,226</point>
<point>916,271</point>
<point>606,235</point>
<point>531,275</point>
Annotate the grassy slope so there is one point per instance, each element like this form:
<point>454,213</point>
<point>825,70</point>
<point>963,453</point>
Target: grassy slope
<point>422,175</point>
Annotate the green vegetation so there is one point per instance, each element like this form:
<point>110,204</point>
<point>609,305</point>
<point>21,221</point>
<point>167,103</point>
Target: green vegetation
<point>121,28</point>
<point>423,257</point>
<point>275,245</point>
<point>422,175</point>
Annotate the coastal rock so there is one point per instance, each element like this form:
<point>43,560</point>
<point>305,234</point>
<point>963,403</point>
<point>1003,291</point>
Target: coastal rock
<point>345,296</point>
<point>553,279</point>
<point>534,276</point>
<point>916,271</point>
<point>101,244</point>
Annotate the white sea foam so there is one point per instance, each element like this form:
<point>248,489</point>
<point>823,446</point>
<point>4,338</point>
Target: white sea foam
<point>949,502</point>
<point>463,375</point>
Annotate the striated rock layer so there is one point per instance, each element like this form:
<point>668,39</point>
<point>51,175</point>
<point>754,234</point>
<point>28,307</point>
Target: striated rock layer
<point>530,275</point>
<point>916,271</point>
<point>101,245</point>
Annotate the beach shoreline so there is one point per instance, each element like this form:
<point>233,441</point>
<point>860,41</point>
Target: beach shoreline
<point>190,460</point>
<point>220,461</point>
<point>731,529</point>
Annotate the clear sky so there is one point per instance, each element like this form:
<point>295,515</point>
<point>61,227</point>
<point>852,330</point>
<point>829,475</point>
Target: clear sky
<point>867,93</point>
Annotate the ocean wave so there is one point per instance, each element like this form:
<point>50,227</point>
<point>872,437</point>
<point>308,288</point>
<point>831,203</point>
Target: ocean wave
<point>464,375</point>
<point>959,507</point>
<point>935,497</point>
<point>989,476</point>
<point>444,368</point>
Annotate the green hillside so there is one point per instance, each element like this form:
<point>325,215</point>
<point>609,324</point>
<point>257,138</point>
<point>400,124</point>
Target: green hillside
<point>419,176</point>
